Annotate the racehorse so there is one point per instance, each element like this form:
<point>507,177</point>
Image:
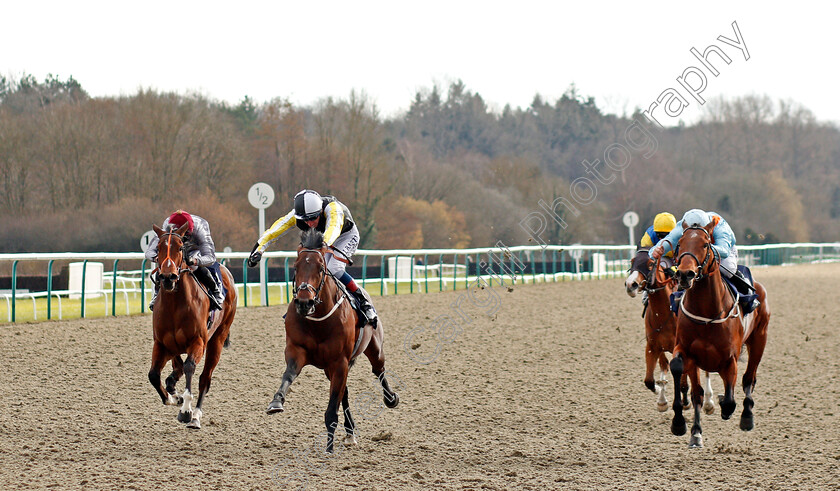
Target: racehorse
<point>711,331</point>
<point>322,330</point>
<point>660,327</point>
<point>180,325</point>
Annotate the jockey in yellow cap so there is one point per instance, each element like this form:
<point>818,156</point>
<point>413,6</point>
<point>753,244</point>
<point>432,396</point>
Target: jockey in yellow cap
<point>663,223</point>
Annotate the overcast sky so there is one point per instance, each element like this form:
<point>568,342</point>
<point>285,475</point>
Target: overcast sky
<point>623,53</point>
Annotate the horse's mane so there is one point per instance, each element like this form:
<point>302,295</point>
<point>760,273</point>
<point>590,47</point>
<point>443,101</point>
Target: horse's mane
<point>312,239</point>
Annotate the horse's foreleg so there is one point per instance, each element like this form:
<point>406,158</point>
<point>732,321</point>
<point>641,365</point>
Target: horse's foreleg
<point>349,425</point>
<point>294,365</point>
<point>650,363</point>
<point>172,379</point>
<point>677,368</point>
<point>686,402</point>
<point>696,440</point>
<point>159,358</point>
<point>729,374</point>
<point>185,414</point>
<point>338,384</point>
<point>708,394</point>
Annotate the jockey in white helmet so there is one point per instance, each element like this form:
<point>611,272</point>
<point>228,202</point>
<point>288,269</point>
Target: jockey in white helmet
<point>332,218</point>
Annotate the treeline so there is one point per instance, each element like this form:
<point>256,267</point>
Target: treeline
<point>84,174</point>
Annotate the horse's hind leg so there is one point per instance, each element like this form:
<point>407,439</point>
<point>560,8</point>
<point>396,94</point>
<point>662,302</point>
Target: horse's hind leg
<point>338,384</point>
<point>159,358</point>
<point>349,425</point>
<point>172,379</point>
<point>377,362</point>
<point>696,440</point>
<point>755,349</point>
<point>211,359</point>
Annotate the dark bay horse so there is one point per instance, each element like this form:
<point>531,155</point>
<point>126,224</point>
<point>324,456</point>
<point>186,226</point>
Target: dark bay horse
<point>180,325</point>
<point>660,327</point>
<point>711,331</point>
<point>321,330</point>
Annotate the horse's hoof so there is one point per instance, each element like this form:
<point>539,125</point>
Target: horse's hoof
<point>184,417</point>
<point>651,386</point>
<point>662,406</point>
<point>350,440</point>
<point>393,402</point>
<point>696,441</point>
<point>275,407</point>
<point>678,429</point>
<point>747,423</point>
<point>194,424</point>
<point>709,408</point>
<point>686,406</point>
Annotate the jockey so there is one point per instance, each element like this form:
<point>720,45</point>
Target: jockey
<point>663,223</point>
<point>723,239</point>
<point>199,253</point>
<point>723,245</point>
<point>332,218</point>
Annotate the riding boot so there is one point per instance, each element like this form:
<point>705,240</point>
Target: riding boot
<point>154,298</point>
<point>205,277</point>
<point>366,307</point>
<point>216,289</point>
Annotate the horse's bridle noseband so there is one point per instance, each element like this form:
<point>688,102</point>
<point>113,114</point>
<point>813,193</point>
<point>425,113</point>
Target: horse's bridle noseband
<point>702,265</point>
<point>307,286</point>
<point>183,253</point>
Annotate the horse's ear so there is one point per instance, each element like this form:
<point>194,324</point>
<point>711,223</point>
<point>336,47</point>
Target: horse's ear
<point>183,229</point>
<point>157,229</point>
<point>709,228</point>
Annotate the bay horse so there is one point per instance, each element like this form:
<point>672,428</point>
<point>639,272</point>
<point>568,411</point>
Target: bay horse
<point>180,325</point>
<point>712,331</point>
<point>322,330</point>
<point>660,326</point>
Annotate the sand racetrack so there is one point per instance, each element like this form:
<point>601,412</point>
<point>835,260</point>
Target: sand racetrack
<point>545,393</point>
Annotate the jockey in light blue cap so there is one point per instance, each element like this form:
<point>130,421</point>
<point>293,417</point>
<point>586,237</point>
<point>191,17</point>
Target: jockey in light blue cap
<point>723,239</point>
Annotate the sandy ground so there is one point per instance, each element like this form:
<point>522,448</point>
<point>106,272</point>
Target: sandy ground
<point>545,392</point>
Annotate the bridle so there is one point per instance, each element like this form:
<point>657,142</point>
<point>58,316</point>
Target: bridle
<point>702,265</point>
<point>306,286</point>
<point>162,261</point>
<point>734,311</point>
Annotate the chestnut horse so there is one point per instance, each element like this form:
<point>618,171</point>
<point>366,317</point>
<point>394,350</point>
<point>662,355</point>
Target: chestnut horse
<point>660,327</point>
<point>322,330</point>
<point>180,325</point>
<point>711,331</point>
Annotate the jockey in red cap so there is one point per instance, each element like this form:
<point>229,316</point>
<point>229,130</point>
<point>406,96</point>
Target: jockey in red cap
<point>199,252</point>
